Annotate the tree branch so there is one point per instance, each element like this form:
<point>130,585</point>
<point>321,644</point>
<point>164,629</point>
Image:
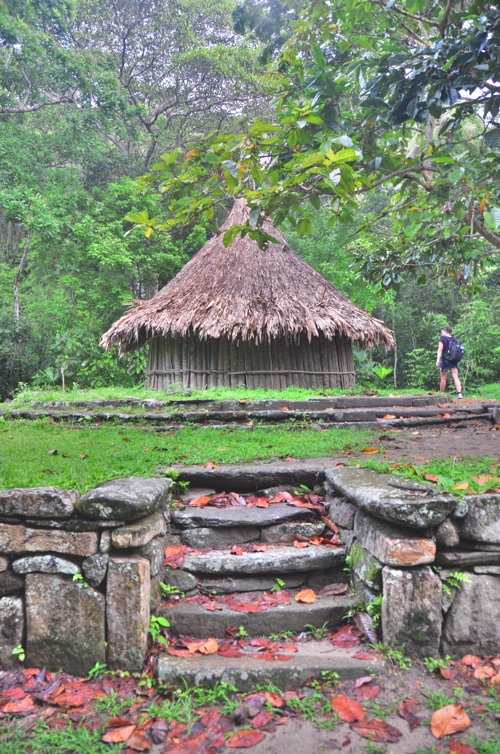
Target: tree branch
<point>475,225</point>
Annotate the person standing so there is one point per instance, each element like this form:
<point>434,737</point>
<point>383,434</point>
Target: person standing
<point>445,365</point>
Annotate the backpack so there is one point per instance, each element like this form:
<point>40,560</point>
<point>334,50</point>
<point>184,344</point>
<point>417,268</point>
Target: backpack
<point>455,350</point>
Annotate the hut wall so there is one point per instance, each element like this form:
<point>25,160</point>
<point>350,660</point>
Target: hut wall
<point>274,364</point>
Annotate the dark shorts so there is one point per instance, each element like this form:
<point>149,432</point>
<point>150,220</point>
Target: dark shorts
<point>447,365</point>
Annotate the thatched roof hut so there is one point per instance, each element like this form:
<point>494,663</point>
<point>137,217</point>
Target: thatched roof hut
<point>241,315</point>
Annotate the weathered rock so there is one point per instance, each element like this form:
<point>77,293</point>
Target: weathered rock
<point>11,630</point>
<point>105,542</point>
<point>275,560</point>
<point>482,520</point>
<point>38,502</point>
<point>155,594</point>
<point>319,579</point>
<point>182,580</point>
<point>393,545</point>
<point>363,592</point>
<point>4,563</point>
<point>19,539</point>
<point>305,528</point>
<point>272,491</point>
<point>461,557</point>
<point>492,570</point>
<point>461,509</point>
<point>192,518</point>
<point>392,498</point>
<point>472,624</point>
<point>139,533</point>
<point>366,567</point>
<point>128,594</point>
<point>95,568</point>
<point>220,538</point>
<point>45,564</point>
<point>10,583</point>
<point>254,477</point>
<point>448,533</point>
<point>65,624</point>
<point>412,610</point>
<point>342,512</point>
<point>154,552</point>
<point>250,584</point>
<point>128,499</point>
<point>347,536</point>
<point>73,524</point>
<point>468,544</point>
<point>195,492</point>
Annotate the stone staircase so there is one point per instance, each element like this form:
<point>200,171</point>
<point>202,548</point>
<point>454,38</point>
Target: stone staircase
<point>245,572</point>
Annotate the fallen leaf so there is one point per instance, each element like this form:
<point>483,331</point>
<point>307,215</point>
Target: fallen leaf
<point>82,456</point>
<point>365,624</point>
<point>449,720</point>
<point>259,548</point>
<point>52,452</point>
<point>125,439</point>
<point>208,647</point>
<point>274,700</point>
<point>431,478</point>
<point>244,739</point>
<point>173,556</point>
<point>457,748</point>
<point>377,730</point>
<point>346,637</point>
<point>408,709</point>
<point>366,692</point>
<point>65,455</point>
<point>236,550</point>
<point>481,480</point>
<point>482,673</point>
<point>389,416</point>
<point>361,681</point>
<point>299,545</point>
<point>191,745</point>
<point>447,673</point>
<point>211,465</point>
<point>138,741</point>
<point>198,502</point>
<point>369,450</point>
<point>118,735</point>
<point>20,707</point>
<point>262,719</point>
<point>333,590</point>
<point>347,709</point>
<point>471,660</point>
<point>306,596</point>
<point>461,486</point>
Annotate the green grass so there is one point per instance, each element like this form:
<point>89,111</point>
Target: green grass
<point>119,393</point>
<point>113,452</point>
<point>42,740</point>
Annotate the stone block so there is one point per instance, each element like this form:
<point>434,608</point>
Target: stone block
<point>4,563</point>
<point>45,564</point>
<point>219,539</point>
<point>182,580</point>
<point>347,536</point>
<point>492,570</point>
<point>363,592</point>
<point>448,533</point>
<point>65,624</point>
<point>472,624</point>
<point>342,512</point>
<point>367,568</point>
<point>482,520</point>
<point>412,610</point>
<point>38,502</point>
<point>10,583</point>
<point>275,560</point>
<point>95,568</point>
<point>11,630</point>
<point>305,528</point>
<point>154,552</point>
<point>393,545</point>
<point>105,542</point>
<point>391,498</point>
<point>194,518</point>
<point>466,558</point>
<point>250,583</point>
<point>20,539</point>
<point>128,499</point>
<point>155,594</point>
<point>195,492</point>
<point>139,533</point>
<point>127,610</point>
<point>318,579</point>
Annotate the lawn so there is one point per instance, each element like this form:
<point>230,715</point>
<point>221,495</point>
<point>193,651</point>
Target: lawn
<point>88,456</point>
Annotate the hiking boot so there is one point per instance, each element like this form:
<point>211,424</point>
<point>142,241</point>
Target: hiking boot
<point>459,396</point>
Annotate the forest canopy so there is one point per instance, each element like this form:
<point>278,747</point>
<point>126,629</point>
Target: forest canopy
<point>368,130</point>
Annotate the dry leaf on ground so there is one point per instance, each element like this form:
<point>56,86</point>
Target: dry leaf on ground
<point>457,748</point>
<point>377,730</point>
<point>211,465</point>
<point>208,647</point>
<point>274,700</point>
<point>431,478</point>
<point>299,545</point>
<point>369,450</point>
<point>198,502</point>
<point>482,673</point>
<point>118,735</point>
<point>408,709</point>
<point>449,720</point>
<point>244,739</point>
<point>307,596</point>
<point>347,709</point>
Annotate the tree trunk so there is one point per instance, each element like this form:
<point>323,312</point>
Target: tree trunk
<point>15,291</point>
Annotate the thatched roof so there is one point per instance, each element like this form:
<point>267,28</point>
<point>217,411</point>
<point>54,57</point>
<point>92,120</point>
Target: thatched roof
<point>243,292</point>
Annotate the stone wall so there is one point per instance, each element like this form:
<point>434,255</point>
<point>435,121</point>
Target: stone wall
<point>80,576</point>
<point>406,540</point>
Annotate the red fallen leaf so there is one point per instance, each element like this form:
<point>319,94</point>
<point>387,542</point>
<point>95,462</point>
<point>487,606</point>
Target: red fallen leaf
<point>15,693</point>
<point>236,550</point>
<point>483,673</point>
<point>364,656</point>
<point>310,506</point>
<point>230,653</point>
<point>191,745</point>
<point>138,741</point>
<point>457,748</point>
<point>431,478</point>
<point>198,502</point>
<point>347,709</point>
<point>245,607</point>
<point>329,523</point>
<point>471,660</point>
<point>259,548</point>
<point>449,720</point>
<point>366,692</point>
<point>306,596</point>
<point>408,709</point>
<point>377,730</point>
<point>72,700</point>
<point>210,718</point>
<point>118,735</point>
<point>179,652</point>
<point>212,606</point>
<point>208,647</point>
<point>262,719</point>
<point>274,700</point>
<point>211,465</point>
<point>217,741</point>
<point>362,681</point>
<point>290,648</point>
<point>244,739</point>
<point>346,637</point>
<point>173,556</point>
<point>447,673</point>
<point>20,707</point>
<point>462,486</point>
<point>300,545</point>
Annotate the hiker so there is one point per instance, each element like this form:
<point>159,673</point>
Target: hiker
<point>445,361</point>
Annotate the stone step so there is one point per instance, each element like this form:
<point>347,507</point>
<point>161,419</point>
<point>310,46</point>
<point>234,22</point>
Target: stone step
<point>212,517</point>
<point>312,659</point>
<point>190,618</point>
<point>276,560</point>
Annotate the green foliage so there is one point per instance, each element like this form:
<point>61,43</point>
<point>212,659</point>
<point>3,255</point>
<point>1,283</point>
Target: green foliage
<point>435,663</point>
<point>19,652</point>
<point>395,656</point>
<point>97,670</point>
<point>278,584</point>
<point>79,578</point>
<point>241,633</point>
<point>168,590</point>
<point>317,632</point>
<point>455,580</point>
<point>156,625</point>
